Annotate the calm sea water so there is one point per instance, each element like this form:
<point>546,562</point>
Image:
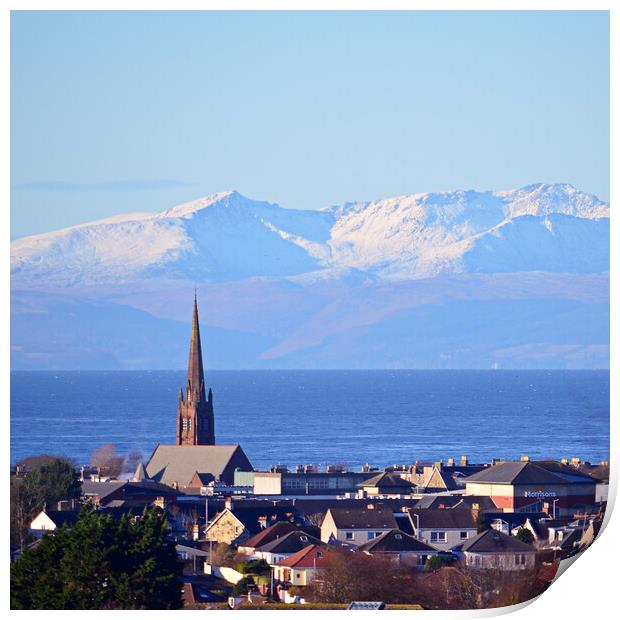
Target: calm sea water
<point>291,417</point>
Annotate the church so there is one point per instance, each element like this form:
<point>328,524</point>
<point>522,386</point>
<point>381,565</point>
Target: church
<point>195,454</point>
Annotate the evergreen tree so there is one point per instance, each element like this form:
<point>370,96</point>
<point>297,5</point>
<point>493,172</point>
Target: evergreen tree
<point>100,564</point>
<point>524,535</point>
<point>50,480</point>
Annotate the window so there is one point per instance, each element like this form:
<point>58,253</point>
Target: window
<point>372,535</point>
<point>319,554</point>
<point>349,535</point>
<point>439,537</point>
<point>298,575</point>
<point>477,560</point>
<point>303,538</point>
<point>463,535</point>
<point>398,536</point>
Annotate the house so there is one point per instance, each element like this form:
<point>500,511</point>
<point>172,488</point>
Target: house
<point>590,533</point>
<point>524,486</point>
<point>439,480</point>
<point>50,520</point>
<point>235,526</point>
<point>304,482</point>
<point>472,502</point>
<point>401,547</point>
<point>440,477</point>
<point>284,547</point>
<point>356,526</point>
<point>443,528</point>
<point>177,465</point>
<point>386,483</point>
<point>273,532</point>
<point>301,568</point>
<point>200,480</point>
<point>127,493</point>
<point>496,550</point>
<point>512,522</point>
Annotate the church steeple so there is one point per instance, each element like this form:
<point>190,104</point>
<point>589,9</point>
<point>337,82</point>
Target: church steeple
<point>195,372</point>
<point>195,420</point>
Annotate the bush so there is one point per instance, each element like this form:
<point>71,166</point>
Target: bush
<point>242,586</point>
<point>435,562</point>
<point>524,535</point>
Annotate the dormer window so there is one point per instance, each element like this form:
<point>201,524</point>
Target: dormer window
<point>303,538</point>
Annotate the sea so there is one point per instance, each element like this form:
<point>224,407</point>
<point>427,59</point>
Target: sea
<point>380,417</point>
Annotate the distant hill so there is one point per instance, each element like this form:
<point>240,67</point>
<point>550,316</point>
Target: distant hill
<point>508,279</point>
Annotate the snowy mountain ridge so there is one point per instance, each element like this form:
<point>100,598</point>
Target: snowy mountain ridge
<point>226,236</point>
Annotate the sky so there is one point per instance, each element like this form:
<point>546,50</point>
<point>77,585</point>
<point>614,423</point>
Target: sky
<point>115,112</point>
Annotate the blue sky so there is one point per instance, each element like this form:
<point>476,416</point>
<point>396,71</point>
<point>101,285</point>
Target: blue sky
<point>138,111</point>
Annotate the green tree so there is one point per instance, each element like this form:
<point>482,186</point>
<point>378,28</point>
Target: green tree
<point>435,562</point>
<point>524,535</point>
<point>242,586</point>
<point>50,480</point>
<point>100,564</point>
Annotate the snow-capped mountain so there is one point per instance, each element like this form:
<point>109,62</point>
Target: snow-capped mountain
<point>227,236</point>
<point>515,279</point>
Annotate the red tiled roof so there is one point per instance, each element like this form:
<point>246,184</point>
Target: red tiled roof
<point>309,557</point>
<point>277,530</point>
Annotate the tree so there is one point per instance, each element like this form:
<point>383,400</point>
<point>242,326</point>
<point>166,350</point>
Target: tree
<point>243,585</point>
<point>315,518</point>
<point>56,480</point>
<point>45,484</point>
<point>524,535</point>
<point>106,459</point>
<point>42,459</point>
<point>133,460</point>
<point>435,562</point>
<point>100,564</point>
<point>348,576</point>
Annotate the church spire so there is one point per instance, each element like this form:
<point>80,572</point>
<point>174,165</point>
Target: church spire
<point>195,420</point>
<point>195,373</point>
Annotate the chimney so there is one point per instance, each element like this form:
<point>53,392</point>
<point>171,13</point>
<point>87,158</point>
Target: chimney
<point>564,461</point>
<point>475,511</point>
<point>524,458</point>
<point>228,503</point>
<point>464,461</point>
<point>438,465</point>
<point>575,460</point>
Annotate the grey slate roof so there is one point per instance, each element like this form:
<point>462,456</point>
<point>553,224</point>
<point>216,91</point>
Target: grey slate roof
<point>492,541</point>
<point>395,541</point>
<point>290,543</point>
<point>442,518</point>
<point>519,472</point>
<point>362,519</point>
<point>101,489</point>
<point>60,517</point>
<point>177,464</point>
<point>387,479</point>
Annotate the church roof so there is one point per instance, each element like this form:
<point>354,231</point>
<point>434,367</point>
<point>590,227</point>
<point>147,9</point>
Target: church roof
<point>140,474</point>
<point>171,464</point>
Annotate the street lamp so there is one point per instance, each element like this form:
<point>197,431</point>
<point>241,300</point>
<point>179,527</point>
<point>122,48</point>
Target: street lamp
<point>554,501</point>
<point>417,527</point>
